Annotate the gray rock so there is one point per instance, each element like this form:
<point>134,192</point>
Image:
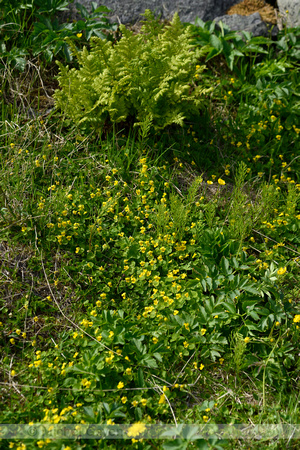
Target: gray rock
<point>129,11</point>
<point>292,17</point>
<point>252,23</point>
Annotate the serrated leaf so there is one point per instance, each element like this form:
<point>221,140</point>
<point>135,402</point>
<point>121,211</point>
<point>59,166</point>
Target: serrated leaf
<point>254,315</point>
<point>251,289</point>
<point>249,304</point>
<point>149,362</point>
<point>230,307</point>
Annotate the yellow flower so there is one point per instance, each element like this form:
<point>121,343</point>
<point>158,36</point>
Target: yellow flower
<point>210,182</point>
<point>86,383</point>
<point>203,331</point>
<point>136,429</point>
<point>281,271</point>
<point>296,318</point>
<point>120,385</point>
<point>155,340</point>
<point>79,35</point>
<point>13,373</point>
<point>221,182</point>
<point>246,340</point>
<point>162,399</point>
<point>124,400</point>
<point>12,341</point>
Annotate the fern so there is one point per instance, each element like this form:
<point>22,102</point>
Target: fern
<point>148,76</point>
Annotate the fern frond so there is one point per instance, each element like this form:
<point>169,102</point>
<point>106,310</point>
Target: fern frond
<point>147,75</point>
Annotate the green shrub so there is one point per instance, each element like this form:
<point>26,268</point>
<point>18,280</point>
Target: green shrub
<point>148,77</point>
<point>30,29</point>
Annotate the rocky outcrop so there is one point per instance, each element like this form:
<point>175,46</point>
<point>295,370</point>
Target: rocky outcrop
<point>252,23</point>
<point>290,12</point>
<point>129,11</point>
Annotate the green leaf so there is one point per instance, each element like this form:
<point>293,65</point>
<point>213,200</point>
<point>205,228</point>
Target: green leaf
<point>254,315</point>
<point>149,362</point>
<point>214,52</point>
<point>263,324</point>
<point>138,345</point>
<point>88,410</point>
<point>248,305</point>
<point>230,307</point>
<point>70,381</point>
<point>176,444</point>
<point>140,378</point>
<point>202,315</point>
<point>216,43</point>
<point>225,266</point>
<point>158,357</point>
<point>80,369</point>
<point>250,288</point>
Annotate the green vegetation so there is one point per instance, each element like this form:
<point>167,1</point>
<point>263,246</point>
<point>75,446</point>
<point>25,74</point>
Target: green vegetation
<point>150,274</point>
<point>146,76</point>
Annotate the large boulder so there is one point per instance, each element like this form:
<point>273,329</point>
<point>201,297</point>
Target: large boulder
<point>129,11</point>
<point>290,12</point>
<point>252,23</point>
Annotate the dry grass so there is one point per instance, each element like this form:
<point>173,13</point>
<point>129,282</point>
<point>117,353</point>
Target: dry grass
<point>248,7</point>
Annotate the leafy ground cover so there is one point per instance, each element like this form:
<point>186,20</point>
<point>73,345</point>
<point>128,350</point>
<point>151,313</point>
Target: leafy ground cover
<point>152,275</point>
